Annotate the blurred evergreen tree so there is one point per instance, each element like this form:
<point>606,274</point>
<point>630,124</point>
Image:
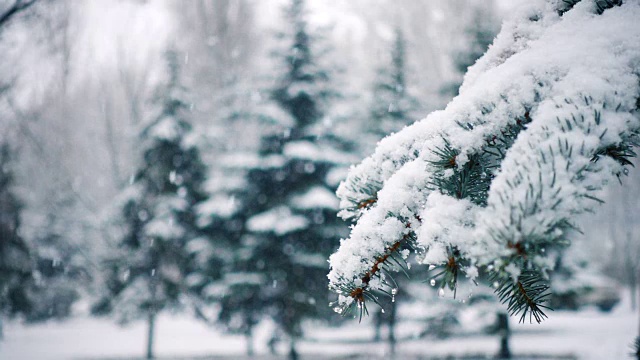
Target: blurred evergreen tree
<point>221,278</point>
<point>577,281</point>
<point>15,257</point>
<point>147,273</point>
<point>60,272</point>
<point>392,106</point>
<point>286,221</point>
<point>478,34</point>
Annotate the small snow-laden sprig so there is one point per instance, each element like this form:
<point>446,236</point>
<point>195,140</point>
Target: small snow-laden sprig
<point>374,272</point>
<point>359,192</point>
<point>444,237</point>
<point>380,242</point>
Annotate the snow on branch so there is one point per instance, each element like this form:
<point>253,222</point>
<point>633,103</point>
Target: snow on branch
<point>544,120</point>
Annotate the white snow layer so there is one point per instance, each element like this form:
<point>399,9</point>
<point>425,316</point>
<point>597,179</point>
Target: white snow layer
<point>575,75</point>
<point>588,334</point>
<point>164,224</point>
<point>314,198</point>
<point>315,151</point>
<point>279,220</point>
<point>218,205</point>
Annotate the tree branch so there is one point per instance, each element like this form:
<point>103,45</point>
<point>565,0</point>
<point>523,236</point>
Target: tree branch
<point>17,7</point>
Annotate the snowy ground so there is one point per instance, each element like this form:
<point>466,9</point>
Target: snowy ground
<point>588,334</point>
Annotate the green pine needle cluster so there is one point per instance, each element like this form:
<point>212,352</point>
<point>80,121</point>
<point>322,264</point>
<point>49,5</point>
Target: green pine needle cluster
<point>602,5</point>
<point>469,181</point>
<point>447,274</point>
<point>525,296</point>
<point>599,5</point>
<point>367,197</point>
<point>382,269</point>
<point>635,348</point>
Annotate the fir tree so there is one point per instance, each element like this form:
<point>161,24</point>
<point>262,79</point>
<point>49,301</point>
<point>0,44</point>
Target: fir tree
<point>491,185</point>
<point>288,210</point>
<point>59,275</point>
<point>225,283</point>
<point>147,274</point>
<point>223,279</point>
<point>478,34</point>
<point>15,255</point>
<point>575,278</point>
<point>63,268</point>
<point>392,106</point>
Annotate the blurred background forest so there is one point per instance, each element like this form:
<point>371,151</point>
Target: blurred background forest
<point>181,157</point>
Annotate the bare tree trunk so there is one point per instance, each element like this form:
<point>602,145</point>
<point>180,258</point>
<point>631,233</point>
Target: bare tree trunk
<point>377,324</point>
<point>248,335</point>
<point>272,344</point>
<point>133,83</point>
<point>154,303</point>
<point>111,143</point>
<point>150,334</point>
<point>636,345</point>
<point>293,353</point>
<point>630,268</point>
<point>392,328</point>
<point>505,335</point>
<point>634,294</point>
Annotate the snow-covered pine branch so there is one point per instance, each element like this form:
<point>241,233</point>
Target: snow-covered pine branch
<point>544,120</point>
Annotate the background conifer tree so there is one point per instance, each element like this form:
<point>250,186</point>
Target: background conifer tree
<point>223,282</point>
<point>478,34</point>
<point>392,106</point>
<point>146,276</point>
<point>288,207</point>
<point>15,256</point>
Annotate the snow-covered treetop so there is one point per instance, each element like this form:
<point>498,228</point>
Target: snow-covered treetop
<point>544,120</point>
<point>170,124</point>
<point>304,87</point>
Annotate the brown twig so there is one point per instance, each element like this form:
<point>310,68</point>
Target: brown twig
<point>358,293</point>
<point>367,203</point>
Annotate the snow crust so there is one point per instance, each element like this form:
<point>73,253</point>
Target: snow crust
<point>575,75</point>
